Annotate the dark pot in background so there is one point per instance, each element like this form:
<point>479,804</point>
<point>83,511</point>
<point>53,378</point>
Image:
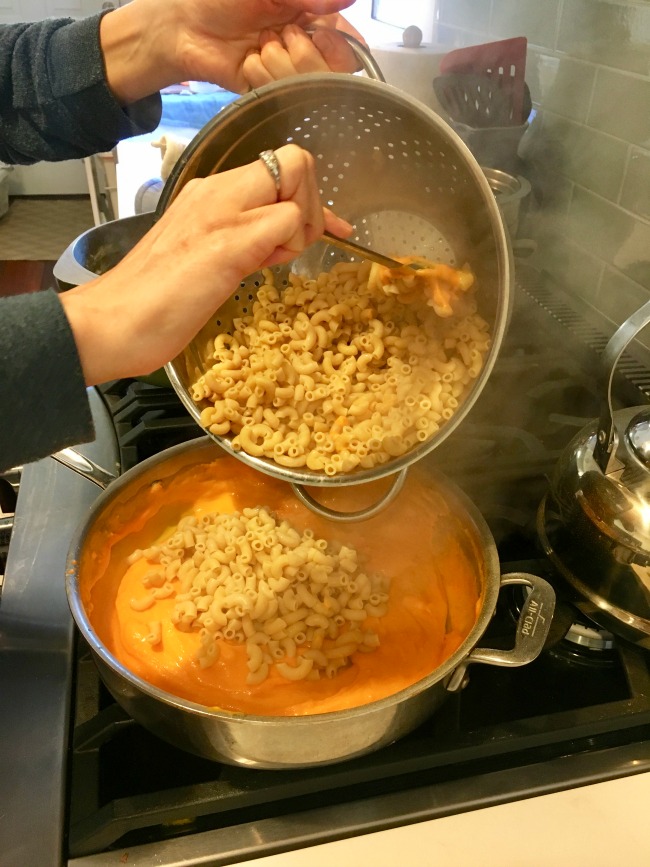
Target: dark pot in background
<point>512,193</point>
<point>97,251</point>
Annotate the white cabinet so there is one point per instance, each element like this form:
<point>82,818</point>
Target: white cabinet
<point>66,178</point>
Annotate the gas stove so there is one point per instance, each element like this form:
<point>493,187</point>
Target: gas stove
<point>100,788</point>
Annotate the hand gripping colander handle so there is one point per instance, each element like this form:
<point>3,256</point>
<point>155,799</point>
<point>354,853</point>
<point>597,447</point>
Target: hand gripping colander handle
<point>363,55</point>
<point>349,517</point>
<point>606,439</point>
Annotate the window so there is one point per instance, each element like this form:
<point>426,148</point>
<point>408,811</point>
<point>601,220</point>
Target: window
<point>403,13</point>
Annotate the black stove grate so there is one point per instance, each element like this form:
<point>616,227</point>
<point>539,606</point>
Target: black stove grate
<point>147,419</point>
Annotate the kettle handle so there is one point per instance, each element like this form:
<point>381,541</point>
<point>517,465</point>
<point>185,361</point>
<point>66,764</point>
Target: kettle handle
<point>607,438</point>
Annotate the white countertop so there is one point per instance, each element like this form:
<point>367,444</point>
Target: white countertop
<point>591,826</point>
<point>594,826</point>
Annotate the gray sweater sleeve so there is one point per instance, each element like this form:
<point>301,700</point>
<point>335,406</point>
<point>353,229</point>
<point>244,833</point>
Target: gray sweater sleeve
<point>43,400</point>
<point>54,105</point>
<point>54,100</point>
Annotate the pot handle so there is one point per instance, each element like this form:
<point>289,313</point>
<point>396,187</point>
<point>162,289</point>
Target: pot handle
<point>532,630</point>
<point>82,465</point>
<point>362,514</point>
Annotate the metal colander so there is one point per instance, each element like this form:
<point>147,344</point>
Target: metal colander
<point>393,169</point>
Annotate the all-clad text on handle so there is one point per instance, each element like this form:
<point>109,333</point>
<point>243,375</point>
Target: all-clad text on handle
<point>532,629</point>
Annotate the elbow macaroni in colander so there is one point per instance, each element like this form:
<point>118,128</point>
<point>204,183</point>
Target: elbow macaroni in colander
<point>295,602</point>
<point>332,374</point>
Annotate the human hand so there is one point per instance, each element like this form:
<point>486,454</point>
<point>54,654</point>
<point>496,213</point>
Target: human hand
<point>219,229</point>
<point>148,45</point>
<point>293,51</point>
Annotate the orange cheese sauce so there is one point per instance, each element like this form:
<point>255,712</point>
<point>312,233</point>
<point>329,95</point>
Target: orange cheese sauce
<point>417,541</point>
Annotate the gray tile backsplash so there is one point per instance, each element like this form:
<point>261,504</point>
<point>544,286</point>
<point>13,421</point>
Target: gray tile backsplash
<point>587,150</point>
<point>590,158</point>
<point>619,297</point>
<point>562,85</point>
<point>635,195</point>
<point>532,18</point>
<point>607,33</point>
<point>621,106</point>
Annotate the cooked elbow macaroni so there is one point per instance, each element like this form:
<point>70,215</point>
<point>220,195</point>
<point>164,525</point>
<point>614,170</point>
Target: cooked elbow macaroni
<point>333,375</point>
<point>444,288</point>
<point>298,605</point>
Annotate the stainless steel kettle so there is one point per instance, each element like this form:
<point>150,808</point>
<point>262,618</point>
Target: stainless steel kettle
<point>594,522</point>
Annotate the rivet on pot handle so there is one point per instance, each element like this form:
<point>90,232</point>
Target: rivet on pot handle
<point>362,514</point>
<point>532,629</point>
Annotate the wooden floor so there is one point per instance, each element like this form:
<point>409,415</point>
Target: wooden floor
<point>17,277</point>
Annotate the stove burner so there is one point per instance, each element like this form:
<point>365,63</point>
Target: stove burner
<point>590,636</point>
<point>572,629</point>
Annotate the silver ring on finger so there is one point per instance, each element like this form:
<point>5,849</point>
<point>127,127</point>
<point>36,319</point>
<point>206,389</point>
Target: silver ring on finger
<point>270,160</point>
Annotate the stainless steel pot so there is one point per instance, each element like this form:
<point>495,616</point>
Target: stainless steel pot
<point>511,193</point>
<point>290,742</point>
<point>594,522</point>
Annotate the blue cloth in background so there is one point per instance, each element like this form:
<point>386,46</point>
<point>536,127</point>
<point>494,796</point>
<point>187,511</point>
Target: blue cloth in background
<point>193,109</point>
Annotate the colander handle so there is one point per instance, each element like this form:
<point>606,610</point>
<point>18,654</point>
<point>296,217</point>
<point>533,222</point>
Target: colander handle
<point>362,514</point>
<point>363,55</point>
